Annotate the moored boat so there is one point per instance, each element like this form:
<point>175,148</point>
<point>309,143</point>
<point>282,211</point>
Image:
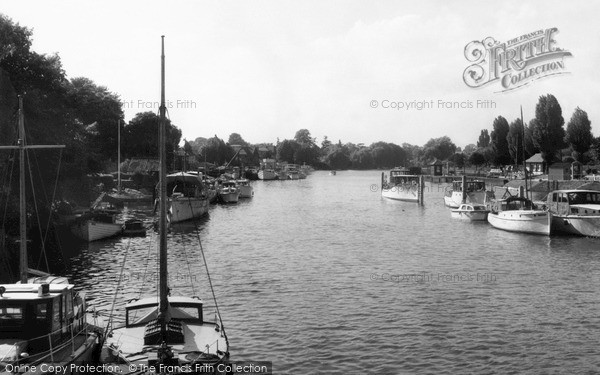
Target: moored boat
<point>267,170</point>
<point>471,212</point>
<point>95,225</point>
<point>519,214</point>
<point>474,193</point>
<point>575,212</point>
<point>402,185</point>
<point>134,228</point>
<point>246,190</point>
<point>42,319</point>
<point>163,333</point>
<point>187,196</point>
<point>229,192</point>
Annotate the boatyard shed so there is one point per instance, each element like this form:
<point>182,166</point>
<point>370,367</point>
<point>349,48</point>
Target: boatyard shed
<point>437,168</point>
<point>565,171</point>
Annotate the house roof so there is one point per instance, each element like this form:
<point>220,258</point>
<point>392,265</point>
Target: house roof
<point>537,158</point>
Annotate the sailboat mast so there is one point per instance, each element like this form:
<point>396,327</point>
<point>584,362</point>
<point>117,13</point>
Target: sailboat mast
<point>23,266</point>
<point>21,146</point>
<point>163,287</point>
<point>523,147</point>
<point>119,156</point>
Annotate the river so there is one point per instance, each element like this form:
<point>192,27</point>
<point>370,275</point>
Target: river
<point>323,276</point>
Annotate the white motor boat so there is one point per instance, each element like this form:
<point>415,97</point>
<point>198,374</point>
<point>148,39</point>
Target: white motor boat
<point>471,212</point>
<point>474,193</point>
<point>519,214</point>
<point>575,212</point>
<point>229,192</point>
<point>188,197</point>
<point>402,186</point>
<point>96,225</point>
<point>246,190</point>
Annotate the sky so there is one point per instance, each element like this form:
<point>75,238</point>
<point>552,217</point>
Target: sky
<point>348,70</point>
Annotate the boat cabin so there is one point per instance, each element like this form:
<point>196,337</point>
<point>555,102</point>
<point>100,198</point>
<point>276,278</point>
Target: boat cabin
<point>39,316</point>
<point>144,312</point>
<point>184,184</point>
<point>472,207</point>
<point>471,186</point>
<point>514,204</point>
<point>574,202</point>
<point>229,184</point>
<point>401,176</point>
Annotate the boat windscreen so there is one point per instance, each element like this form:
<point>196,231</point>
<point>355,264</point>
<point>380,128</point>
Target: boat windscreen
<point>584,197</point>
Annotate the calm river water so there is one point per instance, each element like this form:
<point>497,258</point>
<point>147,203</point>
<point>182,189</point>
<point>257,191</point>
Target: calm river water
<point>323,276</point>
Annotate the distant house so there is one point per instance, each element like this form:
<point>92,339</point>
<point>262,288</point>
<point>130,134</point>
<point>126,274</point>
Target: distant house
<point>437,168</point>
<point>535,164</point>
<point>244,155</point>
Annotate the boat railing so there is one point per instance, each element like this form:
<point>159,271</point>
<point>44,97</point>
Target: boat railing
<point>37,358</point>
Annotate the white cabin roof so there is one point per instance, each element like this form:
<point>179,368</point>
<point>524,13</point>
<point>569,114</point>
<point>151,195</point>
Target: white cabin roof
<point>154,301</point>
<point>32,291</point>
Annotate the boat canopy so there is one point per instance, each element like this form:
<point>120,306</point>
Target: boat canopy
<point>471,186</point>
<point>182,176</point>
<point>516,203</point>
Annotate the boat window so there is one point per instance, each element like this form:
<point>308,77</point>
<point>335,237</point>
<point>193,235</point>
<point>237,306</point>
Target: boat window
<point>554,197</point>
<point>140,315</point>
<point>186,312</point>
<point>11,315</point>
<point>41,311</point>
<point>56,314</point>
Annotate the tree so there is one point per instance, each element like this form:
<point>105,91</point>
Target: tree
<point>579,133</point>
<point>337,157</point>
<point>216,151</point>
<point>498,141</point>
<point>387,155</point>
<point>440,148</point>
<point>515,141</point>
<point>458,159</point>
<point>325,144</point>
<point>236,139</point>
<point>303,137</point>
<point>484,139</point>
<point>469,149</point>
<point>286,150</point>
<point>548,131</point>
<point>477,159</point>
<point>96,105</point>
<point>140,138</point>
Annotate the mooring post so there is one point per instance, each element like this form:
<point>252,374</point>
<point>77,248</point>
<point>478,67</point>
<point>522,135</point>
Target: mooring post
<point>421,189</point>
<point>464,189</point>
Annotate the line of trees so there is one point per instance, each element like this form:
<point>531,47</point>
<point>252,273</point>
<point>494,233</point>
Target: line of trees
<point>545,134</point>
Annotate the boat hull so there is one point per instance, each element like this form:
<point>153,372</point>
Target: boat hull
<point>90,230</point>
<point>407,193</point>
<point>522,221</point>
<point>266,175</point>
<point>246,191</point>
<point>187,208</point>
<point>232,197</point>
<point>469,215</point>
<point>455,199</point>
<point>588,226</point>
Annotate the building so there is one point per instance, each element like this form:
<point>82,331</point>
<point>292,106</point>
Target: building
<point>535,164</point>
<point>437,168</point>
<point>565,171</point>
